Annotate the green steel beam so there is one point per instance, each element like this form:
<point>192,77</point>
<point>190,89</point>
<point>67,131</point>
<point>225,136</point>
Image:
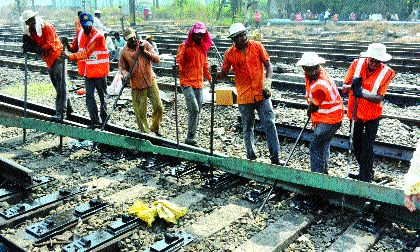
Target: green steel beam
<point>261,171</point>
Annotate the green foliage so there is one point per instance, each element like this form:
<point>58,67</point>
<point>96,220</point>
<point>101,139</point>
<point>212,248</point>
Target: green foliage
<point>36,91</point>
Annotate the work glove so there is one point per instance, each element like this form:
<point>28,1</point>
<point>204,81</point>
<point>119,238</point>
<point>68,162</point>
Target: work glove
<point>356,86</point>
<point>27,42</point>
<point>64,55</point>
<point>141,47</point>
<point>266,92</point>
<point>64,41</point>
<point>125,79</point>
<point>312,108</point>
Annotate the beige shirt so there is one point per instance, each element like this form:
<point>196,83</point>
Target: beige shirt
<point>142,76</point>
<point>412,178</point>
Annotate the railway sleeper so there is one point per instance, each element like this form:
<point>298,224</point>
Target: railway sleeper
<point>37,207</point>
<point>44,230</point>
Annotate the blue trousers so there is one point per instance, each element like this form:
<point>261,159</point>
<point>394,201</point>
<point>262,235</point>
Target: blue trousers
<point>320,146</point>
<point>266,114</point>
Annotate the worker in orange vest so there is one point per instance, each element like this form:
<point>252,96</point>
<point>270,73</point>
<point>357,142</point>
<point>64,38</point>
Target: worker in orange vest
<point>193,68</point>
<point>326,109</point>
<point>92,56</point>
<point>40,37</point>
<point>368,79</point>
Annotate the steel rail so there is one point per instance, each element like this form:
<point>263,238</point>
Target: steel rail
<point>383,195</point>
<point>294,104</point>
<point>381,149</point>
<point>396,98</point>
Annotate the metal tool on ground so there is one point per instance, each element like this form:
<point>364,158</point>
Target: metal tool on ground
<point>351,147</point>
<point>25,82</point>
<point>213,71</point>
<point>285,164</point>
<point>124,84</point>
<point>63,78</point>
<point>175,70</point>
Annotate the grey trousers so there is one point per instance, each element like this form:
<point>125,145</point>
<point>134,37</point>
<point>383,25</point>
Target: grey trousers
<point>100,85</point>
<point>62,101</point>
<point>266,114</point>
<point>194,102</point>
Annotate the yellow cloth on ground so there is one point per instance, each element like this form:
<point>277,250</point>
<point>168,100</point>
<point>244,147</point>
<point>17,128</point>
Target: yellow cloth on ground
<point>166,210</point>
<point>144,212</point>
<point>169,211</point>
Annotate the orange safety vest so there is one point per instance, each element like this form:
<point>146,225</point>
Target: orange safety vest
<point>97,65</point>
<point>331,109</point>
<point>367,110</point>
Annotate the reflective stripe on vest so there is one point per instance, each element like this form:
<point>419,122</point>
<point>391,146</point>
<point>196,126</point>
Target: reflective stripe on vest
<point>333,91</point>
<point>97,65</point>
<point>378,80</point>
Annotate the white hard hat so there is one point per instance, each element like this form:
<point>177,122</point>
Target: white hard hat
<point>27,15</point>
<point>235,29</point>
<point>97,12</point>
<point>376,51</point>
<point>310,59</point>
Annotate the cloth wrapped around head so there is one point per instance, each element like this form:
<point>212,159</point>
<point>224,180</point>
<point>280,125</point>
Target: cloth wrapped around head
<point>200,27</point>
<point>39,22</point>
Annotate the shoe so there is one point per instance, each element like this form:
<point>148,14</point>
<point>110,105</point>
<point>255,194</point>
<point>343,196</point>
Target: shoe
<point>192,142</point>
<point>157,133</point>
<point>94,126</point>
<point>275,161</point>
<point>354,176</point>
<point>56,118</point>
<point>252,157</point>
<point>69,111</point>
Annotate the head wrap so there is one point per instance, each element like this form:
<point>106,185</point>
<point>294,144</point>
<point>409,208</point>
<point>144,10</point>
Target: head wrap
<point>206,41</point>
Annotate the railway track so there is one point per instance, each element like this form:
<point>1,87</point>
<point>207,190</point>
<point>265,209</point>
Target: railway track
<point>308,210</point>
<point>287,50</point>
<point>395,96</point>
<point>219,218</point>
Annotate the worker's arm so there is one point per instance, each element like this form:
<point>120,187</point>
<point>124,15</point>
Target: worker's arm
<point>149,52</point>
<point>268,69</point>
<point>225,68</point>
<point>86,53</point>
<point>381,91</point>
<point>206,69</point>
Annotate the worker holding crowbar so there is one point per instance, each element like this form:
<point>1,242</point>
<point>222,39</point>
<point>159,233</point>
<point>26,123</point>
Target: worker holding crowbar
<point>368,78</point>
<point>326,111</point>
<point>193,68</point>
<point>124,84</point>
<point>142,80</point>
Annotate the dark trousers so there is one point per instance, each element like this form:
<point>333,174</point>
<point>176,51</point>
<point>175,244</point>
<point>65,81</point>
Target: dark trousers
<point>363,138</point>
<point>100,85</point>
<point>62,101</point>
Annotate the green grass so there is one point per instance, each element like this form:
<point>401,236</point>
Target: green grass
<point>35,90</point>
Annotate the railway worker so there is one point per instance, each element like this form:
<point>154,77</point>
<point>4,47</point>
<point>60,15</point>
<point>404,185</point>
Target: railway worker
<point>368,78</point>
<point>97,22</point>
<point>412,181</point>
<point>77,23</point>
<point>149,39</point>
<point>40,37</point>
<point>193,67</point>
<point>92,56</point>
<point>248,59</point>
<point>142,80</point>
<point>326,109</point>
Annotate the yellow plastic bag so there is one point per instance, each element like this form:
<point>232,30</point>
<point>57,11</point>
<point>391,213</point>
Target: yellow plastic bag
<point>169,211</point>
<point>144,212</point>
